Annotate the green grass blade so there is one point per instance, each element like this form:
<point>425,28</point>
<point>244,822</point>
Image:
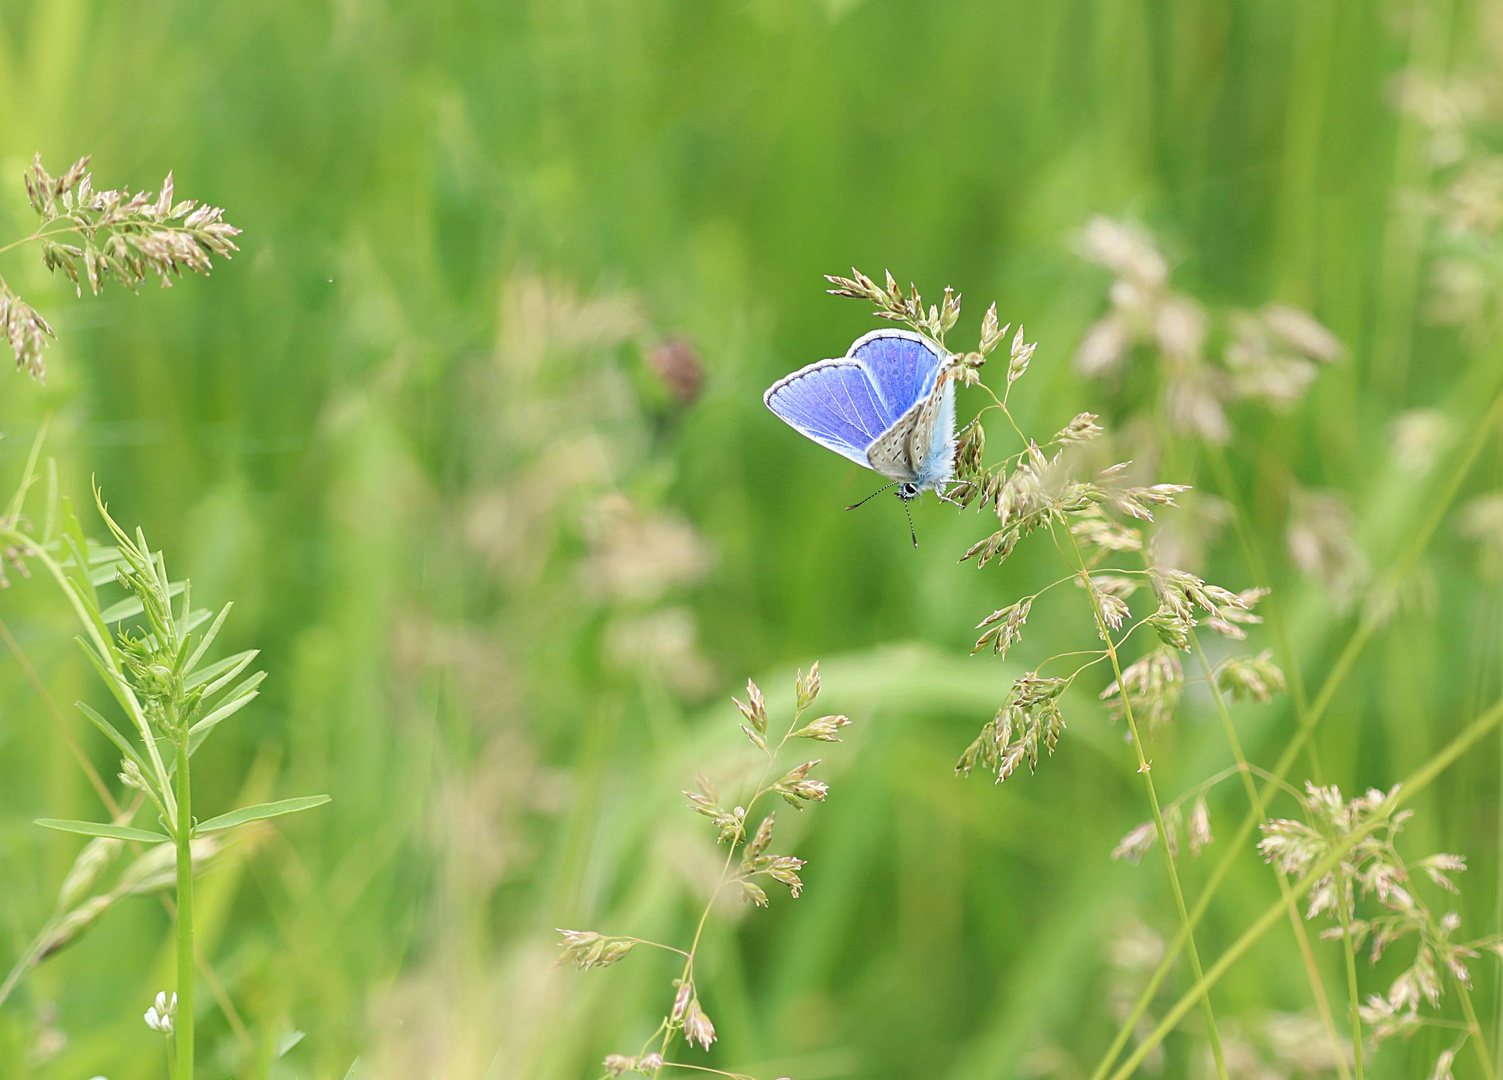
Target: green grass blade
<point>239,698</point>
<point>49,523</point>
<point>29,475</point>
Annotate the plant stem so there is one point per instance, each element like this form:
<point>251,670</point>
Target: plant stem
<point>1317,988</point>
<point>24,240</point>
<point>1412,785</point>
<point>1498,894</point>
<point>183,1028</point>
<point>1477,1040</point>
<point>1419,540</point>
<point>1153,802</point>
<point>1343,892</point>
<point>725,869</point>
<point>95,780</point>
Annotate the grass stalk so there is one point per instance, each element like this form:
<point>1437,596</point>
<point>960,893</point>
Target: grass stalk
<point>1497,611</point>
<point>1343,911</point>
<point>1416,782</point>
<point>95,780</point>
<point>183,1027</point>
<point>1145,768</point>
<point>1481,432</point>
<point>1307,954</point>
<point>1483,1056</point>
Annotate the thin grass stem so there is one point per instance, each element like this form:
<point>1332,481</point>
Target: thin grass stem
<point>1307,954</point>
<point>1486,1059</point>
<point>1343,896</point>
<point>1416,782</point>
<point>95,780</point>
<point>1338,673</point>
<point>1153,801</point>
<point>183,1028</point>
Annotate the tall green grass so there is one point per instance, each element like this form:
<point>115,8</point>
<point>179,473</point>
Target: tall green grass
<point>317,432</point>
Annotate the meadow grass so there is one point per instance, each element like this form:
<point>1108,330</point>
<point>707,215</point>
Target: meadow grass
<point>417,434</point>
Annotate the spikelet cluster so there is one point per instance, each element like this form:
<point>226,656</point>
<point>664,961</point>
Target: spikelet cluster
<point>745,876</point>
<point>93,236</point>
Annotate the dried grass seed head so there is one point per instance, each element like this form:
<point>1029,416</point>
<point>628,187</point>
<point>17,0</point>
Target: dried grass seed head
<point>91,236</point>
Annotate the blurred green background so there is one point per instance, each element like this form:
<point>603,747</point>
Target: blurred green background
<point>470,431</point>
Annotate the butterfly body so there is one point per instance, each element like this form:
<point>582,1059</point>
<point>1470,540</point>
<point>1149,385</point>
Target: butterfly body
<point>887,404</point>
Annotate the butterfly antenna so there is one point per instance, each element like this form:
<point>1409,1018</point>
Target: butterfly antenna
<point>909,511</point>
<point>872,496</point>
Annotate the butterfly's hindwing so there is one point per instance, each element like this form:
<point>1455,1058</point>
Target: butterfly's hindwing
<point>933,442</point>
<point>891,454</point>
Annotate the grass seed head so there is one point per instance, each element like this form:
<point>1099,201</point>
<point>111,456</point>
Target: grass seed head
<point>697,1026</point>
<point>1251,678</point>
<point>587,949</point>
<point>1200,825</point>
<point>823,729</point>
<point>807,689</point>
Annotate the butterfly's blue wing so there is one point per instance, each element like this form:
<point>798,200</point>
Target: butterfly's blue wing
<point>834,403</point>
<point>902,367</point>
<point>879,390</point>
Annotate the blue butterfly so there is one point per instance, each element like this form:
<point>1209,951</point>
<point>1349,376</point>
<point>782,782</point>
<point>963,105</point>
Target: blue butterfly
<point>887,404</point>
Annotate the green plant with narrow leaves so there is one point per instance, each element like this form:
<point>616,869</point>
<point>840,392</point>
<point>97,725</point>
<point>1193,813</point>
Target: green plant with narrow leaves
<point>151,648</point>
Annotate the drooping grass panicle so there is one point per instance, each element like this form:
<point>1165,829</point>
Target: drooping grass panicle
<point>1371,871</point>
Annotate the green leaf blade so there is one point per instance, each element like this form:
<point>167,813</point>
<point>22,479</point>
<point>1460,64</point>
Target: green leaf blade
<point>113,734</point>
<point>131,605</point>
<point>209,636</point>
<point>105,829</point>
<point>260,812</point>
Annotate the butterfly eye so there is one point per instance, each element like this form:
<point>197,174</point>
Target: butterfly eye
<point>908,491</point>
